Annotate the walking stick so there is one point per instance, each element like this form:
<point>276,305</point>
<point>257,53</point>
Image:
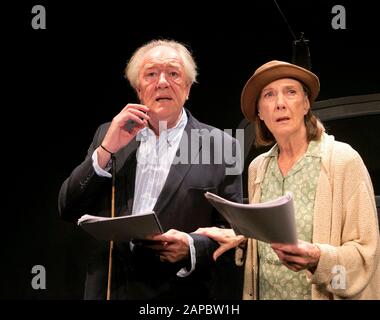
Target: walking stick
<point>113,159</point>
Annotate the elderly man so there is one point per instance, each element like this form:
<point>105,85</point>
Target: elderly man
<point>146,140</point>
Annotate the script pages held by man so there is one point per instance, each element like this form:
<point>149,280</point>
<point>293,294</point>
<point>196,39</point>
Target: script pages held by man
<point>123,228</point>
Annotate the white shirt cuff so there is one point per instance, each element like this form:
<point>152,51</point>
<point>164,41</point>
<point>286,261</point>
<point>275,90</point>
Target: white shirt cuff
<point>99,171</point>
<point>184,272</point>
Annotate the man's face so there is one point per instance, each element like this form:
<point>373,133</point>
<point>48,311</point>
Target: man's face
<point>282,106</point>
<point>162,84</point>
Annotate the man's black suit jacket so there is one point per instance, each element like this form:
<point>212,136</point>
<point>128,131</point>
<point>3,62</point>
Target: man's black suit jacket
<point>138,273</point>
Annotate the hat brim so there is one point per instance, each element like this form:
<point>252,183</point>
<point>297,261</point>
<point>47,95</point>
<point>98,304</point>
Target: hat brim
<point>258,81</point>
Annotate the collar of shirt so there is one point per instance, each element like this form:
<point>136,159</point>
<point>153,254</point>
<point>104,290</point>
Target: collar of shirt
<point>313,150</point>
<point>171,134</point>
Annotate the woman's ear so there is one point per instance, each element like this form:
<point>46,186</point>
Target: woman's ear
<point>259,114</point>
<point>307,106</point>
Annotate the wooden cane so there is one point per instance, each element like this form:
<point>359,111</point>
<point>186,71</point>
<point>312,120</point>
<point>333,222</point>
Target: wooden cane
<point>113,159</point>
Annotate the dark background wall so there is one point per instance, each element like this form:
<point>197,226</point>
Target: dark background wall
<point>59,84</point>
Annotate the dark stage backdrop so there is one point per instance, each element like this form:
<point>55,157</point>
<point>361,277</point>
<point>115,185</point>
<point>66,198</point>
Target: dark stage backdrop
<point>60,83</point>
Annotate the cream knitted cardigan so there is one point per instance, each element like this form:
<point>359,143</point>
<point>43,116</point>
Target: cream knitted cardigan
<point>345,227</point>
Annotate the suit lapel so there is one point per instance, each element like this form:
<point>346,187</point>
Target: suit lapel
<point>125,154</point>
<point>178,171</point>
<point>126,172</point>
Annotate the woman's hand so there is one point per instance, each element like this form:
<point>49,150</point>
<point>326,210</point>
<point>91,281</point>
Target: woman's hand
<point>226,238</point>
<point>303,255</point>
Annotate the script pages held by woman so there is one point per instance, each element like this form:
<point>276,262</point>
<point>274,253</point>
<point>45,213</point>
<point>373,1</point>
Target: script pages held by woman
<point>272,221</point>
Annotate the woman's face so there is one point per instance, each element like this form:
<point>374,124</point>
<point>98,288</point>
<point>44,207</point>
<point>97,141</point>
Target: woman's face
<point>282,106</point>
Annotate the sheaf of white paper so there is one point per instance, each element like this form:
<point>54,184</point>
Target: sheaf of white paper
<point>123,228</point>
<point>271,221</point>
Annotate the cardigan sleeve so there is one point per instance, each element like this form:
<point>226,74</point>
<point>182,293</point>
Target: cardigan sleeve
<point>347,268</point>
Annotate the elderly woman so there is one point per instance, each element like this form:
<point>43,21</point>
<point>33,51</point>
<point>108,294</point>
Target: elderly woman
<point>337,255</point>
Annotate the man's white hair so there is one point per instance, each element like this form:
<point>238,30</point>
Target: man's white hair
<point>134,65</point>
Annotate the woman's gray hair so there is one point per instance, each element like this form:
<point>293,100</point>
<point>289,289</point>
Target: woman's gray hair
<point>134,65</point>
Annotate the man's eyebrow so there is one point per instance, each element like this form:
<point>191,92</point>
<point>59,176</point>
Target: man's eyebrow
<point>173,64</point>
<point>149,66</point>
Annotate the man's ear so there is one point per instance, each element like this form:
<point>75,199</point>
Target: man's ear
<point>188,91</point>
<point>138,92</point>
